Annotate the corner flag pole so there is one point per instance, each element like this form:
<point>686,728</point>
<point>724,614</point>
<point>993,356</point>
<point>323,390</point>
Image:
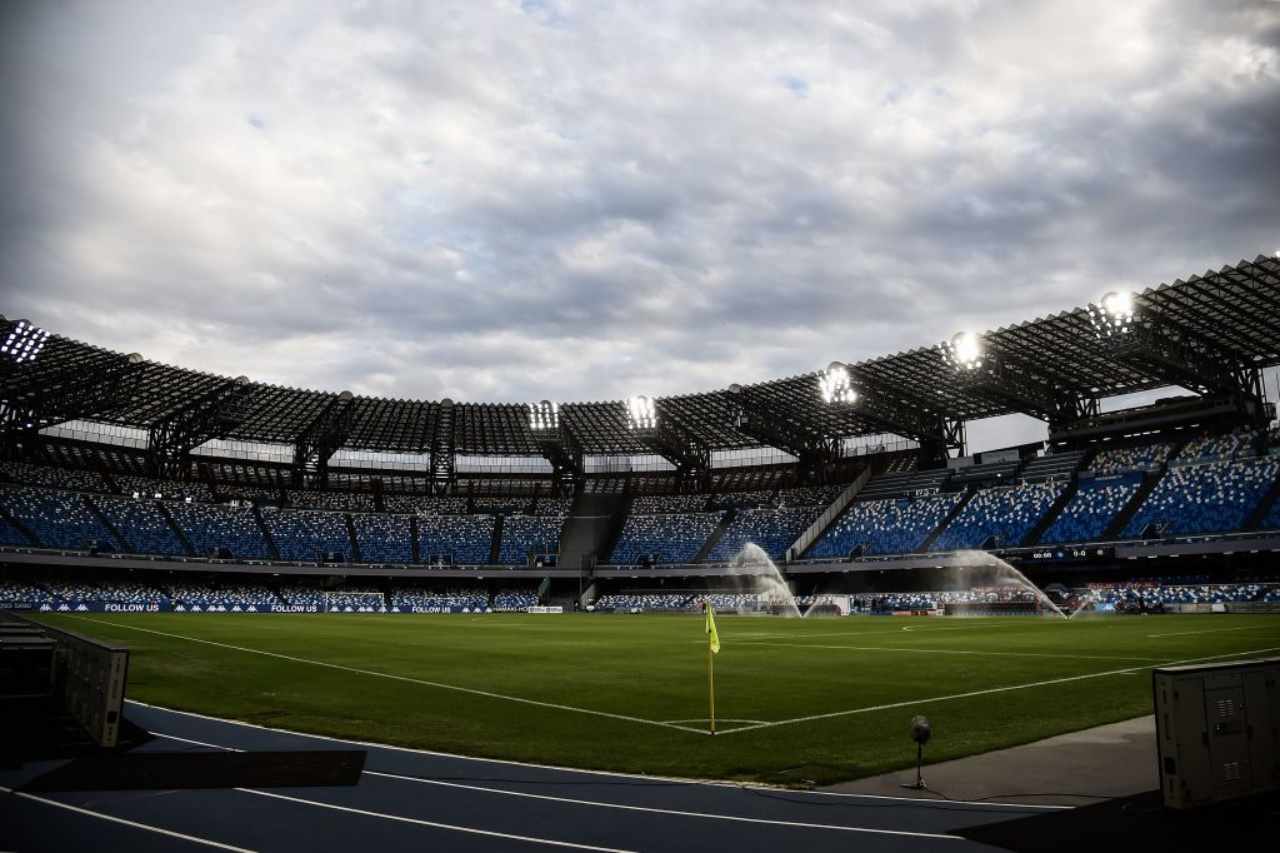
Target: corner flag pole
<point>713,648</point>
<point>711,686</point>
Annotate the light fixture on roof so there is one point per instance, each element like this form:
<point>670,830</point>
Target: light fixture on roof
<point>835,386</point>
<point>1113,314</point>
<point>544,415</point>
<point>23,342</point>
<point>641,413</point>
<point>964,351</point>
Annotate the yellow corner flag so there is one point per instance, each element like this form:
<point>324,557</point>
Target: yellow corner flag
<point>713,637</point>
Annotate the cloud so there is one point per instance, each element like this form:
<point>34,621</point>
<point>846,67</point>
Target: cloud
<point>518,201</point>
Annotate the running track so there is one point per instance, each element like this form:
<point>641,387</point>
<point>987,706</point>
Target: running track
<point>411,800</point>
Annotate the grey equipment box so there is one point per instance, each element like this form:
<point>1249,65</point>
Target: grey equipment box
<point>1217,730</point>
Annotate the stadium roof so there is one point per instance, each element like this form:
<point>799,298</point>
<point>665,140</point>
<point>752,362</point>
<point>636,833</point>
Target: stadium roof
<point>1236,309</point>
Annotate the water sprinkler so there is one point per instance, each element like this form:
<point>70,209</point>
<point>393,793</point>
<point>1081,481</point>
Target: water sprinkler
<point>920,733</point>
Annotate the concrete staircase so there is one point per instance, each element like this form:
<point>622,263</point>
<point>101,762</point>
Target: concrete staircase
<point>272,551</point>
<point>814,531</point>
<point>177,529</point>
<point>592,529</point>
<point>716,535</point>
<point>1051,514</point>
<point>121,543</point>
<point>950,517</point>
<point>354,552</point>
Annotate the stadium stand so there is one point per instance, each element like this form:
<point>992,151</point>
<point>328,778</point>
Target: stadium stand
<point>383,538</point>
<point>460,539</point>
<point>1212,448</point>
<point>143,525</point>
<point>672,538</point>
<point>896,526</point>
<point>749,499</point>
<point>226,596</point>
<point>215,530</point>
<point>53,478</point>
<point>774,530</point>
<point>58,519</point>
<point>338,501</point>
<point>149,487</point>
<point>471,599</point>
<point>523,535</point>
<point>425,504</point>
<point>1052,466</point>
<point>1092,507</point>
<point>309,535</point>
<point>509,600</point>
<point>1005,513</point>
<point>1207,498</point>
<point>1138,457</point>
<point>667,504</point>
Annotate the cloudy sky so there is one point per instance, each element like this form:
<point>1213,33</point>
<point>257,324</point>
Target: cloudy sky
<point>505,200</point>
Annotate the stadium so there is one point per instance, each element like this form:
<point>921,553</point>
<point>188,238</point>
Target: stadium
<point>673,426</point>
<point>508,581</point>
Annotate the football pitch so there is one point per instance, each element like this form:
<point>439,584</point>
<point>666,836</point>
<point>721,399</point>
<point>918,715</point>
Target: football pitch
<point>798,701</point>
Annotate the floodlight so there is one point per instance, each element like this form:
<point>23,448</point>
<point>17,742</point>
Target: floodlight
<point>835,386</point>
<point>544,415</point>
<point>1113,314</point>
<point>23,342</point>
<point>641,413</point>
<point>964,351</point>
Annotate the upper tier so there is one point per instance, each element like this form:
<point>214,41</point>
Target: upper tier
<point>1234,308</point>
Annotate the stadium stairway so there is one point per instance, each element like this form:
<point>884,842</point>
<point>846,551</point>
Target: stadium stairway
<point>592,529</point>
<point>272,551</point>
<point>814,532</point>
<point>495,542</point>
<point>969,492</point>
<point>1051,514</point>
<point>351,538</point>
<point>716,535</point>
<point>1260,512</point>
<point>1121,521</point>
<point>177,529</point>
<point>415,548</point>
<point>121,543</point>
<point>21,528</point>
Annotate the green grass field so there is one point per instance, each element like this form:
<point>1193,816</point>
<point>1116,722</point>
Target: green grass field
<point>634,688</point>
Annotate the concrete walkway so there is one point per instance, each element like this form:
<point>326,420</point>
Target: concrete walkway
<point>1116,760</point>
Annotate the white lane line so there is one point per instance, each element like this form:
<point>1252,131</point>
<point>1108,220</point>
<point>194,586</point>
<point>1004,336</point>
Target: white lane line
<point>470,830</point>
<point>988,691</point>
<point>1216,631</point>
<point>932,651</point>
<point>437,684</point>
<point>677,812</point>
<point>131,823</point>
<point>711,784</point>
<point>594,803</point>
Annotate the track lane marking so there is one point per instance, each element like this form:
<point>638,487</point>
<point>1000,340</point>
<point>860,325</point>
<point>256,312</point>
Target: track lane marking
<point>604,805</point>
<point>124,821</point>
<point>470,830</point>
<point>985,692</point>
<point>426,683</point>
<point>748,786</point>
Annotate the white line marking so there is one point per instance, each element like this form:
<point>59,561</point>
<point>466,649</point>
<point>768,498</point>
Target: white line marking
<point>471,830</point>
<point>603,805</point>
<point>931,651</point>
<point>133,823</point>
<point>709,783</point>
<point>393,677</point>
<point>1216,631</point>
<point>972,693</point>
<point>678,812</point>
